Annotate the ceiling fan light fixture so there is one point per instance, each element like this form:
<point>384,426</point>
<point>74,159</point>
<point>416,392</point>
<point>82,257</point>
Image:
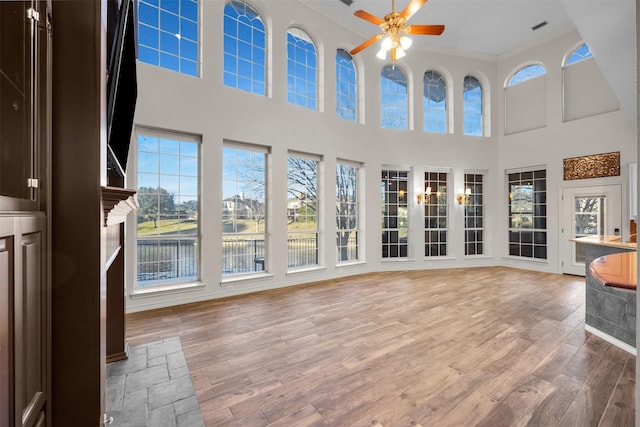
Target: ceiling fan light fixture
<point>382,54</point>
<point>405,42</point>
<point>400,53</point>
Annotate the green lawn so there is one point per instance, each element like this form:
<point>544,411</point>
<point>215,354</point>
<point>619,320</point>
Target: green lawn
<point>173,226</point>
<point>166,226</point>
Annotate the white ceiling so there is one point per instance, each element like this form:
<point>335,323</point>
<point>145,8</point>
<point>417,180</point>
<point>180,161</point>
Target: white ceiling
<point>500,27</point>
<point>493,27</point>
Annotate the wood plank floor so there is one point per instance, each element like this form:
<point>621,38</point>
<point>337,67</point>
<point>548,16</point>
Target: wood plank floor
<point>483,346</point>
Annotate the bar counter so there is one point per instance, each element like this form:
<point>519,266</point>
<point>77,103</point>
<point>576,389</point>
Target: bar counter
<point>616,270</point>
<point>610,312</point>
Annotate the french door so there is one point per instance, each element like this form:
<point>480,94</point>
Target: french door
<point>587,211</point>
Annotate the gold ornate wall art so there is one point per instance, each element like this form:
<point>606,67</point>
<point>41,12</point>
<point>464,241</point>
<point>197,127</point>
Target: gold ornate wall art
<point>594,166</point>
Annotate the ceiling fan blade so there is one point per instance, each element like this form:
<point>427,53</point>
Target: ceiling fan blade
<point>412,8</point>
<point>368,17</point>
<point>393,55</point>
<point>424,30</point>
<point>366,44</point>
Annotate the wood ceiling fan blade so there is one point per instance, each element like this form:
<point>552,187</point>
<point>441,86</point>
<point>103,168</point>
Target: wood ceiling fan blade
<point>393,54</point>
<point>412,8</point>
<point>368,17</point>
<point>366,44</point>
<point>425,30</point>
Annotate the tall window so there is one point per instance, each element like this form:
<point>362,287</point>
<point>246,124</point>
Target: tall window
<point>244,48</point>
<point>474,215</point>
<point>301,69</point>
<point>581,53</point>
<point>435,102</point>
<point>244,211</point>
<point>472,105</point>
<point>302,210</point>
<point>528,214</point>
<point>347,211</point>
<point>167,233</point>
<point>526,73</point>
<point>395,222</point>
<point>394,103</point>
<point>168,34</point>
<point>435,214</point>
<point>346,102</point>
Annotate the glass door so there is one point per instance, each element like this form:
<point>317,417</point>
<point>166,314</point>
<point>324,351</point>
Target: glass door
<point>592,211</point>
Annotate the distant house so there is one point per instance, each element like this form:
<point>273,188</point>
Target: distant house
<point>239,207</point>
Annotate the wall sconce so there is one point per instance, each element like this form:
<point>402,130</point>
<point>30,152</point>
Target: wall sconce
<point>423,197</point>
<point>463,197</point>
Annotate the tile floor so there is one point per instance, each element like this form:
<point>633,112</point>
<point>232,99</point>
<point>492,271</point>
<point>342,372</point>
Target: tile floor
<point>152,388</point>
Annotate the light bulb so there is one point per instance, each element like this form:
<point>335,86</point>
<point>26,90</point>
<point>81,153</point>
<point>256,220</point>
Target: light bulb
<point>405,42</point>
<point>400,53</point>
<point>382,54</point>
<point>386,44</point>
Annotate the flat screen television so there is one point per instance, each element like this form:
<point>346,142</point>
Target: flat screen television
<point>122,84</point>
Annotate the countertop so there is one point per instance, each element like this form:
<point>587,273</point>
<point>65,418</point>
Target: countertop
<point>616,270</point>
<point>611,241</point>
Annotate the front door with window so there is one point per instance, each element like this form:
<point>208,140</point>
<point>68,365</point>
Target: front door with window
<point>587,211</point>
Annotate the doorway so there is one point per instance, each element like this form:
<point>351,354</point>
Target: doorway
<point>587,211</point>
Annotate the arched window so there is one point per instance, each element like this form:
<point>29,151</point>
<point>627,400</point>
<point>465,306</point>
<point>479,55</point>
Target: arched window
<point>581,53</point>
<point>301,69</point>
<point>472,106</point>
<point>435,102</point>
<point>527,72</point>
<point>244,48</point>
<point>346,101</point>
<point>393,103</point>
<point>168,34</point>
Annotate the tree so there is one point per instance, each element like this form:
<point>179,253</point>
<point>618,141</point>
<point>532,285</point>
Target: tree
<point>153,203</point>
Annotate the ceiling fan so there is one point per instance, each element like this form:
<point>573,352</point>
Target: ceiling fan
<point>394,30</point>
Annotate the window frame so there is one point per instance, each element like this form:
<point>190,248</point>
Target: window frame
<point>475,181</point>
<point>391,221</point>
<point>293,79</point>
<point>165,36</point>
<point>535,236</point>
<point>466,104</point>
<point>311,256</point>
<point>426,103</point>
<point>436,213</point>
<point>141,172</point>
<point>352,86</point>
<point>398,104</point>
<point>254,259</point>
<point>257,86</point>
<point>353,212</point>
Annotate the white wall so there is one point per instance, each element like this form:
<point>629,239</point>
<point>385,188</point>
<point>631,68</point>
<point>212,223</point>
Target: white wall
<point>203,106</point>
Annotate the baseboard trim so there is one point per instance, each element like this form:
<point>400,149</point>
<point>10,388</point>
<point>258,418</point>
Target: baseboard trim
<point>597,332</point>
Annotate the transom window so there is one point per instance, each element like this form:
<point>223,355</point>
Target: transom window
<point>244,48</point>
<point>168,34</point>
<point>472,106</point>
<point>526,73</point>
<point>394,103</point>
<point>244,209</point>
<point>435,102</point>
<point>581,53</point>
<point>435,214</point>
<point>346,102</point>
<point>347,211</point>
<point>528,214</point>
<point>302,210</point>
<point>301,69</point>
<point>474,215</point>
<point>395,220</point>
<point>167,232</point>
